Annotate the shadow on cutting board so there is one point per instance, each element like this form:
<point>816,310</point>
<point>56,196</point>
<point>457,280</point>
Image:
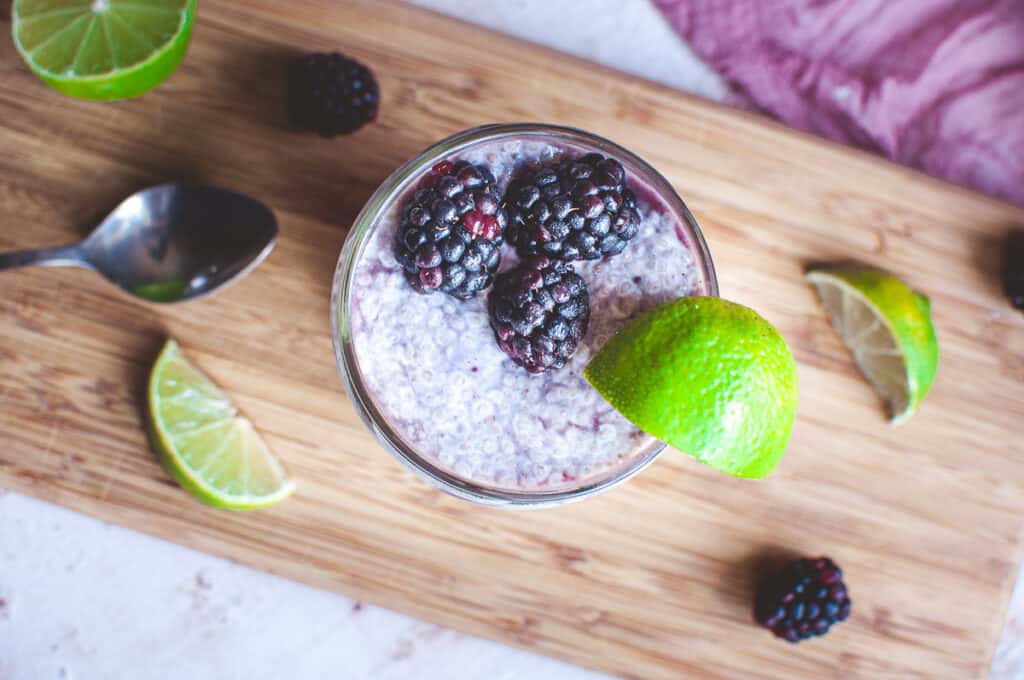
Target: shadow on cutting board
<point>256,82</point>
<point>1000,259</point>
<point>742,578</point>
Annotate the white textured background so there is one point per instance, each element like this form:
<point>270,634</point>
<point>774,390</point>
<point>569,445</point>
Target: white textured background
<point>84,600</point>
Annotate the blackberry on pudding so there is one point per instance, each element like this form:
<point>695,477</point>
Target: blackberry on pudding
<point>539,313</point>
<point>331,94</point>
<point>577,209</point>
<point>450,234</point>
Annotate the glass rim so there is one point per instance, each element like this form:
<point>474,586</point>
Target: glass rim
<point>341,338</point>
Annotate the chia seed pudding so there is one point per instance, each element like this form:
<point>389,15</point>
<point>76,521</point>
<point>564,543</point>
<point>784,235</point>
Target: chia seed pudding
<point>428,376</point>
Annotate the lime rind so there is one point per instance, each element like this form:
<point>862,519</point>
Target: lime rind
<point>117,81</point>
<point>906,316</point>
<point>196,469</point>
<point>709,377</point>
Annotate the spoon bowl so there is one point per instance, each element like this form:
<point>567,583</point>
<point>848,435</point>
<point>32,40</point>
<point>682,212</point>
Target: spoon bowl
<point>170,243</point>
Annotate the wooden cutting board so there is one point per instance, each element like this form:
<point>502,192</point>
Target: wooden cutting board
<point>653,580</point>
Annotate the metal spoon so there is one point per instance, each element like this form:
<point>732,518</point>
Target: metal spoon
<point>169,243</point>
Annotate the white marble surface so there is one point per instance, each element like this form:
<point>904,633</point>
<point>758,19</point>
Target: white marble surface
<point>81,599</point>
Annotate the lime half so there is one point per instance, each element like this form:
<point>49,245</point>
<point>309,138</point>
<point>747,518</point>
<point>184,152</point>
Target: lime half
<point>203,442</point>
<point>708,376</point>
<point>888,327</point>
<point>102,49</point>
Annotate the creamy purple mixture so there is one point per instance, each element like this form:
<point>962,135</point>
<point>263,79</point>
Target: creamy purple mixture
<point>431,363</point>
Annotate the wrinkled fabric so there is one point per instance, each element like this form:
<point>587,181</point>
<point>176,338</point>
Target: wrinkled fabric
<point>935,84</point>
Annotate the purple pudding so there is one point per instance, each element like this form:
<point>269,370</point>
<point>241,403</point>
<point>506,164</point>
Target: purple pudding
<point>425,370</point>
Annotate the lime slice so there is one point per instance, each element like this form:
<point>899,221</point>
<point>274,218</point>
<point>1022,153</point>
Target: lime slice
<point>708,376</point>
<point>102,49</point>
<point>888,327</point>
<point>203,442</point>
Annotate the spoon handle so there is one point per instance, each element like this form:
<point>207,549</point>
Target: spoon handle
<point>65,256</point>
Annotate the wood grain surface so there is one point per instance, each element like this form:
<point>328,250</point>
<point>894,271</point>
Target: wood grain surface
<point>653,580</point>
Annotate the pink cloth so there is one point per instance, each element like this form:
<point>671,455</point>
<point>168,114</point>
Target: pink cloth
<point>935,84</point>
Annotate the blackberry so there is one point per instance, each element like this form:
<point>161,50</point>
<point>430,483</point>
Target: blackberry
<point>579,209</point>
<point>450,235</point>
<point>1013,269</point>
<point>803,599</point>
<point>539,313</point>
<point>331,94</point>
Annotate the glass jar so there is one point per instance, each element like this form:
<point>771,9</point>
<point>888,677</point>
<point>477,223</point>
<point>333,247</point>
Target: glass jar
<point>397,188</point>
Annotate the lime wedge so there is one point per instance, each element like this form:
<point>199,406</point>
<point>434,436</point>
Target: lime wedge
<point>707,376</point>
<point>203,442</point>
<point>102,49</point>
<point>888,327</point>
